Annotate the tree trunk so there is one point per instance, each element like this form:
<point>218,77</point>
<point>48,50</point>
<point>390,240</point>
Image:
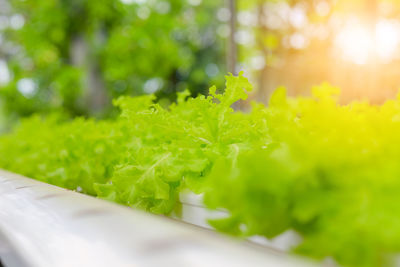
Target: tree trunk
<point>232,49</point>
<point>95,91</point>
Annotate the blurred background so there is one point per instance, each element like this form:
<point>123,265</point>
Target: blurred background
<point>75,56</point>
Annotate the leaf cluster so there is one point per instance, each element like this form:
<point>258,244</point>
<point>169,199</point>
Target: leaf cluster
<point>328,171</point>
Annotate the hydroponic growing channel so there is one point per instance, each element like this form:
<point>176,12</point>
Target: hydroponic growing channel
<point>42,225</point>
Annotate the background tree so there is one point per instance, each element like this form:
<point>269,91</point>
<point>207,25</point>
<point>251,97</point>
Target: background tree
<point>300,43</point>
<point>80,54</point>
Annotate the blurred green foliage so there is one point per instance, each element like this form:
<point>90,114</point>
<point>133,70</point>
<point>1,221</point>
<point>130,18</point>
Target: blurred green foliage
<point>77,55</point>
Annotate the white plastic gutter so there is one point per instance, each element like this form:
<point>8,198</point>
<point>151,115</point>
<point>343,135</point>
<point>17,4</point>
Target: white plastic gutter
<point>45,226</point>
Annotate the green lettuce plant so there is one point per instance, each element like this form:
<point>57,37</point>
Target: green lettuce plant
<point>328,171</point>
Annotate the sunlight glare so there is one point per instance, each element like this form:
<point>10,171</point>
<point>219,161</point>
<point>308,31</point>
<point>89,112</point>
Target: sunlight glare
<point>355,42</point>
<point>360,44</point>
<point>387,39</point>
